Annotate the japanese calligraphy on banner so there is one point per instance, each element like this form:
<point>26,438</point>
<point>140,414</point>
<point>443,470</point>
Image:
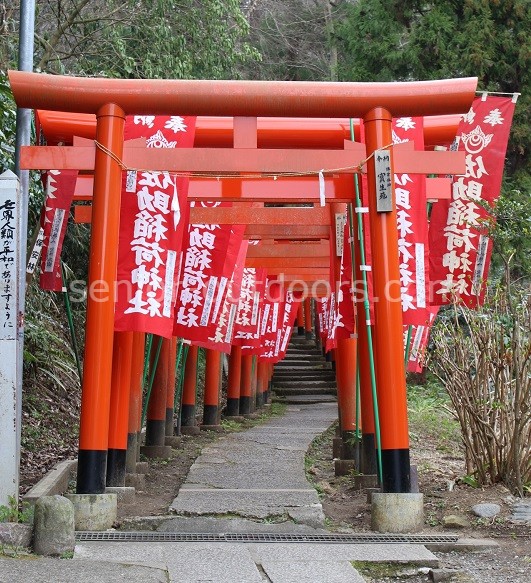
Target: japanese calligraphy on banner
<point>412,224</point>
<point>9,257</point>
<point>278,318</point>
<point>419,341</point>
<point>154,214</point>
<point>247,325</point>
<point>209,258</point>
<point>460,247</point>
<point>60,187</point>
<point>221,339</point>
<point>345,323</point>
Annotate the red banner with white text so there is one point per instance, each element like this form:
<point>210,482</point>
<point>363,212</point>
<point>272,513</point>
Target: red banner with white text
<point>210,255</point>
<point>60,186</point>
<point>412,225</point>
<point>154,214</point>
<point>460,245</point>
<point>418,341</point>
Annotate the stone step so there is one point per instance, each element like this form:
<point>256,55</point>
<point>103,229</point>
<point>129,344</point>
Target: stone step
<point>319,375</point>
<point>288,391</point>
<point>295,339</point>
<point>318,384</point>
<point>303,354</point>
<point>302,362</point>
<point>326,366</point>
<point>305,399</point>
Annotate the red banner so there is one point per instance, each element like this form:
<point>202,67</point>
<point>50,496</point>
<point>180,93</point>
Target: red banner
<point>345,323</point>
<point>221,339</point>
<point>154,214</point>
<point>412,224</point>
<point>247,325</point>
<point>278,318</point>
<point>460,246</point>
<point>209,258</point>
<point>418,342</point>
<point>60,187</point>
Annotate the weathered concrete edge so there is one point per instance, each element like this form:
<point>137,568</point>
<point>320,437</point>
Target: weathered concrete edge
<point>464,545</point>
<point>54,482</point>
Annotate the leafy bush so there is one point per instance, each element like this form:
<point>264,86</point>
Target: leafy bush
<point>483,357</point>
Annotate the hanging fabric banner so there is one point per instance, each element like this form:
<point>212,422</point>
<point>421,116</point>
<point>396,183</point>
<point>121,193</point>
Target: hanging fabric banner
<point>412,224</point>
<point>345,324</point>
<point>419,339</point>
<point>153,217</point>
<point>247,325</point>
<point>221,338</point>
<point>60,186</point>
<point>277,325</point>
<point>460,245</point>
<point>209,257</point>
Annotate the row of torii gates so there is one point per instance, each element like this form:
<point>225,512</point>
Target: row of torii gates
<point>278,128</point>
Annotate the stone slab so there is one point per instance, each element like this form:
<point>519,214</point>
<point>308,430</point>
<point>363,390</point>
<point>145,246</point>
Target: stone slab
<point>45,570</point>
<point>245,503</point>
<point>204,524</point>
<point>15,534</point>
<point>409,553</point>
<point>186,562</point>
<point>312,572</point>
<point>54,482</point>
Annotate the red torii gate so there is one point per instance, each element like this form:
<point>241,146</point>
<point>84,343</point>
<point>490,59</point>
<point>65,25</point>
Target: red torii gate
<point>111,99</point>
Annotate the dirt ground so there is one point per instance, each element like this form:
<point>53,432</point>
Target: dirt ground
<point>440,466</point>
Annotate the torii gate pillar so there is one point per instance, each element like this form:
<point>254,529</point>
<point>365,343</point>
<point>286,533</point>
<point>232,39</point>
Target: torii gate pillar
<point>389,349</point>
<point>95,399</point>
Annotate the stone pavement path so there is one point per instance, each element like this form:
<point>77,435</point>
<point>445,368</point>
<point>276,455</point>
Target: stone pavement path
<point>256,475</point>
<point>259,473</point>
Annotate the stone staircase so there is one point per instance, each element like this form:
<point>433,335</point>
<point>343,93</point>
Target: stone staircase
<point>304,376</point>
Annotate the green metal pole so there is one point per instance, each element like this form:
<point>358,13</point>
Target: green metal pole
<point>369,326</point>
<point>181,363</point>
<point>68,307</point>
<point>408,342</point>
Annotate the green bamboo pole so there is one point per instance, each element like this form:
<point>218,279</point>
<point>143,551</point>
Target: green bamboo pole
<point>70,319</point>
<point>369,326</point>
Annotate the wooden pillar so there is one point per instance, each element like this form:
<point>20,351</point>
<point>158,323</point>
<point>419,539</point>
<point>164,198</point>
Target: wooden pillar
<point>234,381</point>
<point>135,401</point>
<point>170,387</point>
<point>119,408</point>
<point>308,323</point>
<point>300,319</point>
<point>246,383</point>
<point>211,412</point>
<point>368,463</point>
<point>156,412</point>
<point>188,407</point>
<point>389,349</point>
<point>96,386</point>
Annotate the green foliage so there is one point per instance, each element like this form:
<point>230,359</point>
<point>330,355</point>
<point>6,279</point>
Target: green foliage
<point>482,357</point>
<point>8,116</point>
<point>143,39</point>
<point>12,513</point>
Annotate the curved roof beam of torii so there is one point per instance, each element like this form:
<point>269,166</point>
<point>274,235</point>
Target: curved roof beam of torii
<point>241,98</point>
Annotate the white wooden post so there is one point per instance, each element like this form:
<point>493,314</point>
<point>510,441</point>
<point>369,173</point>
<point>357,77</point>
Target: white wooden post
<point>10,322</point>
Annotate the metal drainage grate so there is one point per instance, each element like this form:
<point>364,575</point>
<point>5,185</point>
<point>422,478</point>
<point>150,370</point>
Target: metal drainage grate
<point>358,538</point>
